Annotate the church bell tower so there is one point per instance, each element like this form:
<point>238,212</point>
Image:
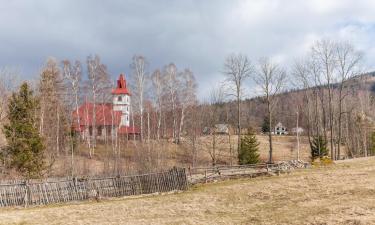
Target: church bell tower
<point>121,100</point>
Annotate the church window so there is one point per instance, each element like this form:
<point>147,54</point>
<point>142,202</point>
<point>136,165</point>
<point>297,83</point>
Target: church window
<point>119,98</point>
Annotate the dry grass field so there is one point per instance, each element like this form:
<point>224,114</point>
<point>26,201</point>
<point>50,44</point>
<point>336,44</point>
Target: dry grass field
<point>343,193</point>
<point>166,154</point>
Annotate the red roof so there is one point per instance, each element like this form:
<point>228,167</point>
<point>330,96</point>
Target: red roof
<point>104,115</point>
<point>121,86</point>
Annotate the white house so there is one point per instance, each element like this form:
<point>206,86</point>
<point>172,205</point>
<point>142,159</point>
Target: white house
<point>280,129</point>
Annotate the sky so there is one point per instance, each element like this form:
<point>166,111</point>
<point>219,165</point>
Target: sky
<point>193,34</point>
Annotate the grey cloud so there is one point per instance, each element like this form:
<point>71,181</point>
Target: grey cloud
<point>194,34</point>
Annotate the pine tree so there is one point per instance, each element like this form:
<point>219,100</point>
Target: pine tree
<point>266,125</point>
<point>248,150</point>
<point>24,145</point>
<point>319,147</point>
<point>372,144</point>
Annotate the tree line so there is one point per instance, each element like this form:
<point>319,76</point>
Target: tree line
<point>323,91</point>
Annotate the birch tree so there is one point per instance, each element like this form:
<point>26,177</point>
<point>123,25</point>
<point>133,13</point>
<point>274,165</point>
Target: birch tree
<point>157,84</point>
<point>72,75</point>
<point>98,81</point>
<point>140,77</point>
<point>171,87</point>
<point>187,96</point>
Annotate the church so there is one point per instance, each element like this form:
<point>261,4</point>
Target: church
<point>109,119</point>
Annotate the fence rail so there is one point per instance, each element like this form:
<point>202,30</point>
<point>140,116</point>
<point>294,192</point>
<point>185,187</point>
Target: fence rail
<point>39,192</point>
<point>206,174</point>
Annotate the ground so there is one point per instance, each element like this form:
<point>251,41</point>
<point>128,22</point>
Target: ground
<point>165,154</point>
<point>343,193</point>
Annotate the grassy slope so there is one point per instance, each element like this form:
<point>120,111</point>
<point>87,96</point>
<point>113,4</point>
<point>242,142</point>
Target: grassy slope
<point>340,194</point>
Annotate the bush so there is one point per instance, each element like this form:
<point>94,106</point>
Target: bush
<point>248,153</point>
<point>319,147</point>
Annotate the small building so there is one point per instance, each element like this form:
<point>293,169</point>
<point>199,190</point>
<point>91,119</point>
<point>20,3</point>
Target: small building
<point>217,129</point>
<point>300,130</point>
<point>280,129</point>
<point>221,129</point>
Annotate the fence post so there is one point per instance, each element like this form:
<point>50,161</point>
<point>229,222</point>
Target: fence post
<point>27,193</point>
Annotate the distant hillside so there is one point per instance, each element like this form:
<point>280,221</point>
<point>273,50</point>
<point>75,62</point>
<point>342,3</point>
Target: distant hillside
<point>254,109</point>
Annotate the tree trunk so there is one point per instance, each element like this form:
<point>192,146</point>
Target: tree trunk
<point>181,123</point>
<point>238,122</point>
<point>270,130</point>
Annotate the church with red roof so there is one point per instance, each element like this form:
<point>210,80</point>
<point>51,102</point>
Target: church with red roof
<point>108,119</point>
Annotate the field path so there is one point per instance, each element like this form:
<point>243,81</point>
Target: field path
<point>340,194</point>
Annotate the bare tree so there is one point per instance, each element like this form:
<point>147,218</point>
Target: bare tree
<point>72,75</point>
<point>348,60</point>
<point>324,53</point>
<point>187,95</point>
<point>237,68</point>
<point>8,83</point>
<point>157,83</point>
<point>98,81</point>
<point>271,79</point>
<point>303,75</point>
<point>171,87</point>
<point>140,77</point>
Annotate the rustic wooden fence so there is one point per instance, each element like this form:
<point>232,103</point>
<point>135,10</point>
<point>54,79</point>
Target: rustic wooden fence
<point>207,174</point>
<point>65,190</point>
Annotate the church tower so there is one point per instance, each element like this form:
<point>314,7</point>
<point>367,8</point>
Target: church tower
<point>121,100</point>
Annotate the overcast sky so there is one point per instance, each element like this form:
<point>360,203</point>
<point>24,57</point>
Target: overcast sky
<point>194,34</point>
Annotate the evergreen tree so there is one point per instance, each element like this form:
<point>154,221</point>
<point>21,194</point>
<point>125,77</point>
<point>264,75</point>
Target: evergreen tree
<point>24,144</point>
<point>319,147</point>
<point>372,144</point>
<point>249,150</point>
<point>266,125</point>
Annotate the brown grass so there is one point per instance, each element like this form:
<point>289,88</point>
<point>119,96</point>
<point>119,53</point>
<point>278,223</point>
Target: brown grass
<point>343,193</point>
<point>165,154</point>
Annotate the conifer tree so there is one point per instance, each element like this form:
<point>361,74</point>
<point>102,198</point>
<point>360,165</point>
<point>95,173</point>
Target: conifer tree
<point>24,145</point>
<point>266,125</point>
<point>248,150</point>
<point>319,147</point>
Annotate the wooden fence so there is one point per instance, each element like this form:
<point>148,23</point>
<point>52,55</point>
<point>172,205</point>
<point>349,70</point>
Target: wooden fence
<point>77,189</point>
<point>207,174</point>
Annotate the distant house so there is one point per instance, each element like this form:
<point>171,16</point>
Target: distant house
<point>217,129</point>
<point>297,129</point>
<point>221,129</point>
<point>280,129</point>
